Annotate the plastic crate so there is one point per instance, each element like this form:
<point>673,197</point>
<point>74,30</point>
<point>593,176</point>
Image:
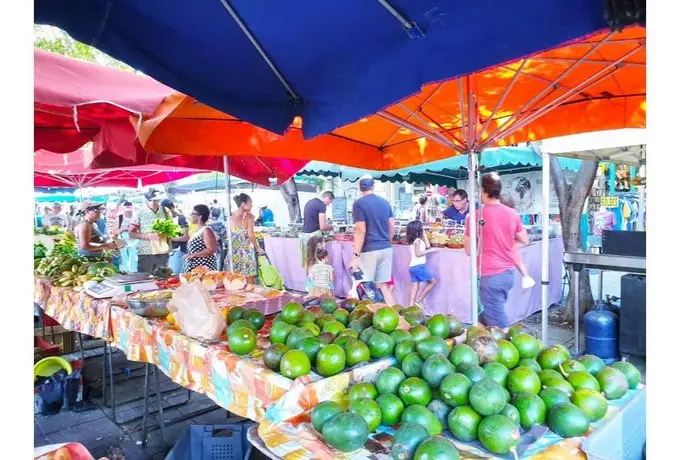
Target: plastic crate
<point>213,442</point>
<point>623,437</point>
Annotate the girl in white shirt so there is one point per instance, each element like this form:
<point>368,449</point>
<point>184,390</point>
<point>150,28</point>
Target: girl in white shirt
<point>420,275</point>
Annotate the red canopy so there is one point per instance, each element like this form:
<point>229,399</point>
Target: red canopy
<point>78,102</point>
<point>70,170</point>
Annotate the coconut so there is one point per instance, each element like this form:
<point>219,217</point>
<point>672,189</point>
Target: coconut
<point>486,348</point>
<point>473,332</point>
<point>496,333</point>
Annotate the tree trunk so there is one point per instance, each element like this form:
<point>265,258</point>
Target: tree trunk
<point>572,198</point>
<point>290,194</point>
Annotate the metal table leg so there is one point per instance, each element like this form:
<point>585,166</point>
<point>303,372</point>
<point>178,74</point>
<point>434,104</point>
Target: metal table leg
<point>577,306</point>
<point>146,404</point>
<point>82,349</point>
<point>161,420</point>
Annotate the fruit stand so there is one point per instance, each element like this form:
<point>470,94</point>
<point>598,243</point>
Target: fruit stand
<point>449,266</point>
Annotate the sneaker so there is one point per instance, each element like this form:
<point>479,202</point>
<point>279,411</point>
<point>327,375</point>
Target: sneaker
<point>528,282</point>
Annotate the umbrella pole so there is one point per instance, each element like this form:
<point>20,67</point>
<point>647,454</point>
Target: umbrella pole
<point>472,194</point>
<point>227,188</point>
<point>545,248</point>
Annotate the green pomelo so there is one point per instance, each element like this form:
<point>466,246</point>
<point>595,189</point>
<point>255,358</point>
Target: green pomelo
<point>436,448</point>
<point>369,410</point>
<point>552,397</point>
<point>292,313</point>
<point>310,346</point>
<point>431,346</point>
<point>435,368</point>
<point>380,345</point>
<point>279,332</point>
<point>532,410</point>
<point>419,332</point>
<point>362,390</point>
<point>414,390</point>
<point>454,390</point>
<point>497,372</point>
<point>391,409</point>
<point>507,354</point>
<point>356,352</point>
<point>527,345</point>
<point>463,354</point>
<point>330,360</point>
<point>438,326</point>
<point>592,363</point>
<point>580,380</point>
<point>474,373</point>
<point>498,434</point>
<point>388,381</point>
<point>523,380</point>
<point>592,403</point>
<point>242,341</point>
<point>403,348</point>
<point>412,365</point>
<point>568,421</point>
<point>346,432</point>
<point>407,439</point>
<point>633,375</point>
<point>613,383</point>
<point>386,319</point>
<point>238,324</point>
<point>463,421</point>
<point>487,397</point>
<point>399,336</point>
<point>295,364</point>
<point>323,412</point>
<point>421,415</point>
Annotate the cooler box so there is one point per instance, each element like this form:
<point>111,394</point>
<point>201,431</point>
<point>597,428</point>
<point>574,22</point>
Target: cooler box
<point>633,315</point>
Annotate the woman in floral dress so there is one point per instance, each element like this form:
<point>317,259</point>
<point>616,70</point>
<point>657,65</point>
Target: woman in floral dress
<point>243,241</point>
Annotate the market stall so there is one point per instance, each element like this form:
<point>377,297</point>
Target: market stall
<point>449,266</point>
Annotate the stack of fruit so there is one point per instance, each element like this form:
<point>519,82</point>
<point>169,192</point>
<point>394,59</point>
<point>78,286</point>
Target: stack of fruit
<point>243,325</point>
<point>73,271</point>
<point>487,389</point>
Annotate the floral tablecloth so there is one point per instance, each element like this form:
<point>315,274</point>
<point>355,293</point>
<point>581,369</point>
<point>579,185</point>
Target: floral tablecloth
<point>297,439</point>
<point>75,311</point>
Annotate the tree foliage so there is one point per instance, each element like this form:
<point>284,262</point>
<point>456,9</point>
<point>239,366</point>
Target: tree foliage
<point>57,41</point>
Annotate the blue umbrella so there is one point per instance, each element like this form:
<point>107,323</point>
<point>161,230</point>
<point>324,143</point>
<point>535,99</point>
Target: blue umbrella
<point>329,61</point>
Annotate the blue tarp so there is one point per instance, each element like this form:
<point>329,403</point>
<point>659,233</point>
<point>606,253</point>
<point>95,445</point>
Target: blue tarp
<point>342,59</point>
<point>445,172</point>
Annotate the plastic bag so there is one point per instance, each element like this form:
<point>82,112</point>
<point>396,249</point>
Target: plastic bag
<point>196,312</point>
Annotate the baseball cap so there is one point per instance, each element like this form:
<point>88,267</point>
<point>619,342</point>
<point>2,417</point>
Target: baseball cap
<point>366,183</point>
<point>153,195</point>
<point>90,205</point>
<point>167,203</point>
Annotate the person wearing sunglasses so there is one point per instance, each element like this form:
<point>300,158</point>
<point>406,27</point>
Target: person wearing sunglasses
<point>459,207</point>
<point>202,245</point>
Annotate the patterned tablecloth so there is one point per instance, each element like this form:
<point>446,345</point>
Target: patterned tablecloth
<point>297,439</point>
<point>75,311</point>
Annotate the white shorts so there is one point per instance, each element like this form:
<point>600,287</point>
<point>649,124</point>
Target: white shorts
<point>377,265</point>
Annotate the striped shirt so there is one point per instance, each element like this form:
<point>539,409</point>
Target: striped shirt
<point>320,274</point>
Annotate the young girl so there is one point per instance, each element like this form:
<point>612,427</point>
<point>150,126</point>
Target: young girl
<point>417,269</point>
<point>321,275</point>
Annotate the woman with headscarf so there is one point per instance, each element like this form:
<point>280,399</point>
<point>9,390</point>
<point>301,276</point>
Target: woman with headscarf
<point>244,243</point>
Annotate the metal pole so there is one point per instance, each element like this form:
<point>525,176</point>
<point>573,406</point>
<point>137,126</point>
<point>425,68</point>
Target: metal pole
<point>640,223</point>
<point>545,249</point>
<point>472,194</point>
<point>576,286</point>
<point>227,188</point>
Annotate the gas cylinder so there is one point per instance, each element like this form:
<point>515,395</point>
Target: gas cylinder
<point>602,333</point>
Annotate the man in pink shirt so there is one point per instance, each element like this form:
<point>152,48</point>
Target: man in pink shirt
<point>502,233</point>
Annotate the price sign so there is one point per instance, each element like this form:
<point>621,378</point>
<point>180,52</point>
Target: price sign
<point>339,208</point>
<point>609,201</point>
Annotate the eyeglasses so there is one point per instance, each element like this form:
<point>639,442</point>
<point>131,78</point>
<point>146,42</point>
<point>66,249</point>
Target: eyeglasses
<point>194,214</point>
<point>459,201</point>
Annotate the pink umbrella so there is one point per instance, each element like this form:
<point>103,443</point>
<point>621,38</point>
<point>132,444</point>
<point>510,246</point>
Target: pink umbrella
<point>70,170</point>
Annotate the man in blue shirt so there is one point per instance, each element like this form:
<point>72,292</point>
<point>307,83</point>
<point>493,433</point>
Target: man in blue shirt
<point>373,232</point>
<point>459,208</point>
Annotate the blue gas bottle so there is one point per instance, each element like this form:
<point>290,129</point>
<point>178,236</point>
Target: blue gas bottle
<point>602,333</point>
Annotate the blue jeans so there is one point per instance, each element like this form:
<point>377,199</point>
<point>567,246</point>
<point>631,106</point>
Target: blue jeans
<point>176,261</point>
<point>493,294</point>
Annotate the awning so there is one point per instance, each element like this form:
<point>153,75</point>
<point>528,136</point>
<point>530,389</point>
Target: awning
<point>622,146</point>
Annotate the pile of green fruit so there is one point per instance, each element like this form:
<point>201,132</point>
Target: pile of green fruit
<point>73,271</point>
<point>487,389</point>
<point>243,325</point>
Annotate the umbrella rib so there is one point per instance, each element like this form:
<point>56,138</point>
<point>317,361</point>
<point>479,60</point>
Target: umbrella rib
<point>263,54</point>
<point>587,83</point>
<point>442,129</point>
<point>462,112</point>
<point>586,61</point>
<point>424,123</point>
<point>387,141</point>
<point>512,118</point>
<point>410,126</point>
<point>543,79</point>
<point>271,171</point>
<point>406,24</point>
<point>515,77</point>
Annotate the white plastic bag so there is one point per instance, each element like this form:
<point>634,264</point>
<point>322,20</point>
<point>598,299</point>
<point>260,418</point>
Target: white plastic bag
<point>196,313</point>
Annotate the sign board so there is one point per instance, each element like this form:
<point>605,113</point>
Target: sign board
<point>340,208</point>
<point>609,201</point>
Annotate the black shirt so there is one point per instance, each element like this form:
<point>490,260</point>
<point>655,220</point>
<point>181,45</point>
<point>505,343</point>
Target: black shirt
<point>181,245</point>
<point>313,208</point>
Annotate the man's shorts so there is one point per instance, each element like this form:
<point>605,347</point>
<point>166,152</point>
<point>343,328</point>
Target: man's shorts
<point>493,294</point>
<point>377,265</point>
<point>420,274</point>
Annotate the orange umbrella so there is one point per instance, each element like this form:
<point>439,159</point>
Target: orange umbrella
<point>593,84</point>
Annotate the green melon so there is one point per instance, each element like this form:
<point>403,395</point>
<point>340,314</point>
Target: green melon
<point>498,434</point>
<point>568,421</point>
<point>454,389</point>
<point>463,421</point>
<point>323,412</point>
<point>532,410</point>
<point>421,415</point>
